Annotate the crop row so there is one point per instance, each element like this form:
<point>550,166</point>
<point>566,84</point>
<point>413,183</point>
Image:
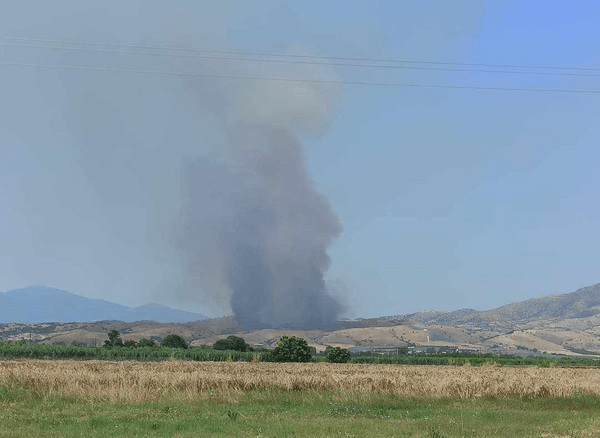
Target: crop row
<point>23,350</point>
<point>46,351</point>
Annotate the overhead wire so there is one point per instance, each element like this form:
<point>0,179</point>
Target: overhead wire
<point>320,81</point>
<point>305,59</point>
<point>287,61</point>
<point>289,55</point>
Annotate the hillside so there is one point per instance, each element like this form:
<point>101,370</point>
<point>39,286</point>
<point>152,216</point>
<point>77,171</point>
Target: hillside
<point>583,303</point>
<point>43,304</point>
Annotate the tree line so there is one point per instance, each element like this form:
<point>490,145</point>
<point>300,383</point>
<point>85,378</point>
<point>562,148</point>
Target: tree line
<point>288,349</point>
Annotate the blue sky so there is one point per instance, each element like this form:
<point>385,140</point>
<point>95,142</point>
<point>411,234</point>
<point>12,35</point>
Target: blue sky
<point>448,198</point>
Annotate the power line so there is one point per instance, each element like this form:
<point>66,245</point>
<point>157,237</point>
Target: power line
<point>317,81</point>
<point>341,58</point>
<point>287,61</point>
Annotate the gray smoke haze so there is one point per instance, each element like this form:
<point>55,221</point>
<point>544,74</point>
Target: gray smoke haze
<point>188,191</point>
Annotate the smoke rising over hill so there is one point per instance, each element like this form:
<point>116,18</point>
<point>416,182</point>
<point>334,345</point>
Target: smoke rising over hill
<point>192,192</point>
<point>271,230</point>
<point>254,221</point>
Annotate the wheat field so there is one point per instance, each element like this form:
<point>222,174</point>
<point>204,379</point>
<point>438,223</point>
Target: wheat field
<point>145,381</point>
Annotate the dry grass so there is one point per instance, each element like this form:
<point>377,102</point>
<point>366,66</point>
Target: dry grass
<point>141,381</point>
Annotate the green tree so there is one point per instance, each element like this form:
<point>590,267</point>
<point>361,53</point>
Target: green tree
<point>114,339</point>
<point>292,349</point>
<point>146,343</point>
<point>231,343</point>
<point>130,343</point>
<point>174,341</point>
<point>337,355</point>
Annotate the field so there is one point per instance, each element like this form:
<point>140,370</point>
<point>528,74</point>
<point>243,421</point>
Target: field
<point>181,398</point>
<point>146,381</point>
<point>26,350</point>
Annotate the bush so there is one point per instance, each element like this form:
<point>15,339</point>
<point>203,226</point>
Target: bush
<point>267,356</point>
<point>292,349</point>
<point>337,355</point>
<point>174,341</point>
<point>231,343</point>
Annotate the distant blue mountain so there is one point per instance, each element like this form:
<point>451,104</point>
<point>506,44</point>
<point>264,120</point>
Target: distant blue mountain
<point>44,304</point>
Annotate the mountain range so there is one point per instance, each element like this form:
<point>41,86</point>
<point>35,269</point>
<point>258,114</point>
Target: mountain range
<point>39,304</point>
<point>581,304</point>
<point>567,324</point>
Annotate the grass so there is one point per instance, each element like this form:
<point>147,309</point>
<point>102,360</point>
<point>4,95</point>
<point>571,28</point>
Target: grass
<point>279,413</point>
<point>45,398</point>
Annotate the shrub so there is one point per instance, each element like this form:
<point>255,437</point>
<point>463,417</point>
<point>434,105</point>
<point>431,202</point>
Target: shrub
<point>267,356</point>
<point>337,355</point>
<point>292,349</point>
<point>231,343</point>
<point>174,341</point>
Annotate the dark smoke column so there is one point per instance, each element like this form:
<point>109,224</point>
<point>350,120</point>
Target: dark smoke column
<point>256,232</point>
<point>279,235</point>
<point>259,221</point>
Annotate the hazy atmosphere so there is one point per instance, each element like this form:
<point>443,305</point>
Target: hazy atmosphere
<point>401,156</point>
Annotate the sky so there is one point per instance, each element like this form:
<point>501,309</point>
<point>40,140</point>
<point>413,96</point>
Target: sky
<point>447,198</point>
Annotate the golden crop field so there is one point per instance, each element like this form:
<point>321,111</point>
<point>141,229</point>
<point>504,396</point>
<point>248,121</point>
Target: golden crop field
<point>142,381</point>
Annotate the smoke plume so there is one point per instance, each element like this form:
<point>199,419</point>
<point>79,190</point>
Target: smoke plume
<point>268,229</point>
<point>190,191</point>
<point>253,219</point>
